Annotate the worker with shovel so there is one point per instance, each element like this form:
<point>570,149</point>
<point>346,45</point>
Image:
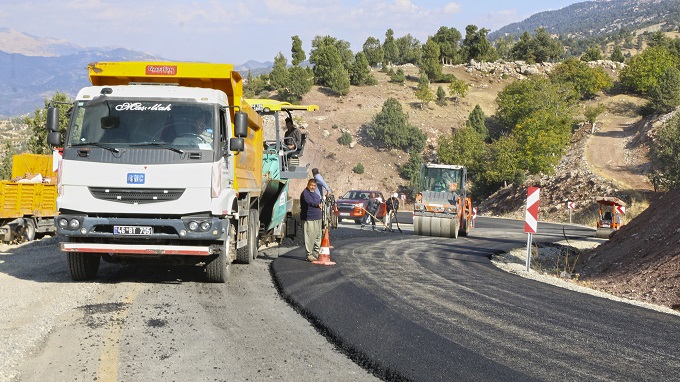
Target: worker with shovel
<point>371,210</point>
<point>392,207</point>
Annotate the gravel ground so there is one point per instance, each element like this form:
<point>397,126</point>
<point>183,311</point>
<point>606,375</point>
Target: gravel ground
<point>515,262</point>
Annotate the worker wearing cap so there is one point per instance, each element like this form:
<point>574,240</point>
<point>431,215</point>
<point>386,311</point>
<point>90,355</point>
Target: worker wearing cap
<point>392,207</point>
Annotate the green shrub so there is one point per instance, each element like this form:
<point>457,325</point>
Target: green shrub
<point>345,139</point>
<point>359,168</point>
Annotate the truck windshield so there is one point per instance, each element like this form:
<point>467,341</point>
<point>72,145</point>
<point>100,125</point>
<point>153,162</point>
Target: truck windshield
<point>166,124</point>
<point>441,179</point>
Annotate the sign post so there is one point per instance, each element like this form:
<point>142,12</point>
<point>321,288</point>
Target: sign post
<point>570,206</point>
<point>531,222</point>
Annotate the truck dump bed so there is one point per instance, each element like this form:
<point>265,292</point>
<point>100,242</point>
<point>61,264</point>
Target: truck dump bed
<point>32,190</point>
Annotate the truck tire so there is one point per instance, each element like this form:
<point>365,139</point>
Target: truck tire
<point>83,267</point>
<point>216,269</point>
<point>29,229</point>
<point>254,227</point>
<point>247,253</point>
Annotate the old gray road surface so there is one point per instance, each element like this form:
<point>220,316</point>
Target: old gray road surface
<point>142,323</point>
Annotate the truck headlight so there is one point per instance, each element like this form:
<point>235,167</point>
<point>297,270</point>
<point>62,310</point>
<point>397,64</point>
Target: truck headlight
<point>205,226</point>
<point>73,224</point>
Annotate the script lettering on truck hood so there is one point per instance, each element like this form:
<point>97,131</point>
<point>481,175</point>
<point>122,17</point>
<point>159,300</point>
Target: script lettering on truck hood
<point>137,106</point>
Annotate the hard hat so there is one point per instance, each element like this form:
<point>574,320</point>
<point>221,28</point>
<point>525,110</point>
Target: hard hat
<point>395,195</point>
<point>379,199</point>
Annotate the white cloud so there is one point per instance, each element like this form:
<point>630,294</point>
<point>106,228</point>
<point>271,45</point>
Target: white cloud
<point>452,8</point>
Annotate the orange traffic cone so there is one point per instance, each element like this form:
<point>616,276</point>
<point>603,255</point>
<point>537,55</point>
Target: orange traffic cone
<point>325,251</point>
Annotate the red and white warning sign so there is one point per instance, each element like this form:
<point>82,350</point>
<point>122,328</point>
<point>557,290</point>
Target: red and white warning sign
<point>531,222</point>
<point>571,205</point>
<point>474,213</point>
<point>620,209</point>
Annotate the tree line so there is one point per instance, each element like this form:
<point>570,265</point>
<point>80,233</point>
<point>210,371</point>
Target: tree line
<point>536,115</point>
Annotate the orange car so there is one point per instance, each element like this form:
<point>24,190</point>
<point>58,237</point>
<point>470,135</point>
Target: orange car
<point>353,203</point>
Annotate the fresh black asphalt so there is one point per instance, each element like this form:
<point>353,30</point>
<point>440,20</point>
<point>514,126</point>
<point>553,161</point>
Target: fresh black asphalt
<point>411,344</point>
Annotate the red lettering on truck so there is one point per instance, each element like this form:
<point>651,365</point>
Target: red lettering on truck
<point>161,70</point>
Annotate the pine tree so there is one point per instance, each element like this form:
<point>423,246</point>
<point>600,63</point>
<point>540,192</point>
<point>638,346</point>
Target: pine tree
<point>37,141</point>
<point>390,48</point>
<point>477,121</point>
<point>423,92</point>
<point>458,88</point>
<point>665,96</point>
<point>373,51</point>
<point>430,60</point>
<point>6,163</point>
<point>297,52</point>
<point>328,55</point>
<point>441,96</point>
<point>617,55</point>
<point>278,77</point>
<point>338,80</point>
<point>360,72</point>
<point>447,39</point>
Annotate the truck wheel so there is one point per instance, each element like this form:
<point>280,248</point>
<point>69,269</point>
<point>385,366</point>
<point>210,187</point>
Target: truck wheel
<point>29,230</point>
<point>82,267</point>
<point>247,253</point>
<point>216,269</point>
<point>254,227</point>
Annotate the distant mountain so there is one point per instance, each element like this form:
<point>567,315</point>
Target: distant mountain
<point>26,81</point>
<point>12,41</point>
<point>34,68</point>
<point>592,18</point>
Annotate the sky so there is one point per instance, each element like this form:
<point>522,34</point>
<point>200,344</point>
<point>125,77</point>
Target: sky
<point>235,31</point>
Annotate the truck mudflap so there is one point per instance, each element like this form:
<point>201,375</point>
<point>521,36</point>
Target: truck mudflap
<point>136,249</point>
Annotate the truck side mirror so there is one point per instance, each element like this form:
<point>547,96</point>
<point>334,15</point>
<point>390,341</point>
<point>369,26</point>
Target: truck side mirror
<point>52,119</point>
<point>240,124</point>
<point>54,138</point>
<point>236,144</point>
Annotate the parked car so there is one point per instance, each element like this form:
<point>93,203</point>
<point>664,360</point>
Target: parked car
<point>352,205</point>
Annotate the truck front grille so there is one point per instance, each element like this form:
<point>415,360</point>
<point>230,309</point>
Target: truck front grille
<point>136,195</point>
